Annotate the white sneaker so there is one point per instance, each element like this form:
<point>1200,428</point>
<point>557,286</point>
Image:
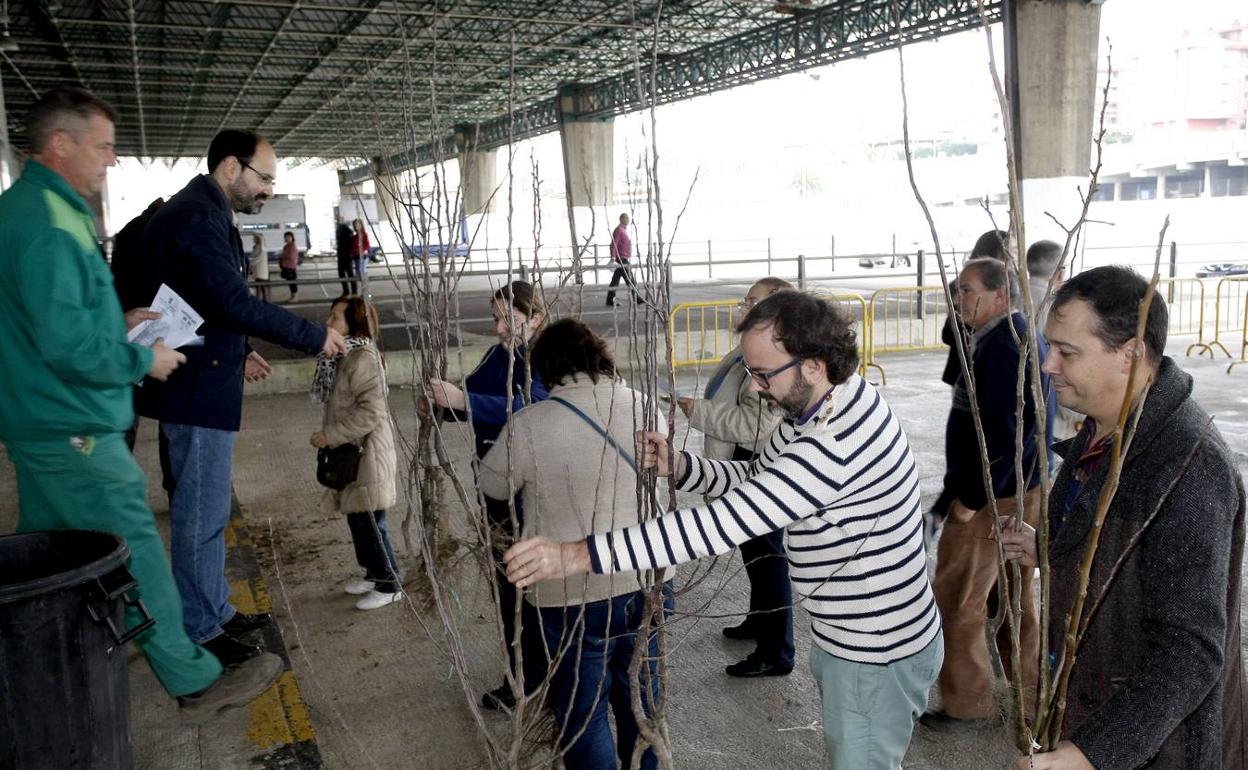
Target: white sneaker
<point>359,586</point>
<point>374,599</point>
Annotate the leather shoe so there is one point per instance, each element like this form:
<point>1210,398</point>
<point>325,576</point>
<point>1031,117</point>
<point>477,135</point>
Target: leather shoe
<point>241,623</point>
<point>499,698</point>
<point>740,632</point>
<point>755,665</point>
<point>230,651</point>
<point>941,722</point>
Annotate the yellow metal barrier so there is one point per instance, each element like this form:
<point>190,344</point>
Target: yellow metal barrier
<point>1243,345</point>
<point>1185,303</point>
<point>900,319</point>
<point>703,332</point>
<point>1229,310</point>
<point>904,319</point>
<point>855,306</point>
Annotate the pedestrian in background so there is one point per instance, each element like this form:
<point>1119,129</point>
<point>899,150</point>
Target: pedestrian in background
<point>289,264</point>
<point>258,266</point>
<point>360,247</point>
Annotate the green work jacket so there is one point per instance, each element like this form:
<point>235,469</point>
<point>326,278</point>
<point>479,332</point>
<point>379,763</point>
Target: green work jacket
<point>67,368</point>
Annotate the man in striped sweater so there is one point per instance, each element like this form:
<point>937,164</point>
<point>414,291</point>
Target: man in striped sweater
<point>839,476</point>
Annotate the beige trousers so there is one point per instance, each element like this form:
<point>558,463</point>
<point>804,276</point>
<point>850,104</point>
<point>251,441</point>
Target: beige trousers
<point>967,595</point>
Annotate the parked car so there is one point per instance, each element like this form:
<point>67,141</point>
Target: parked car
<point>884,260</point>
<point>1222,269</point>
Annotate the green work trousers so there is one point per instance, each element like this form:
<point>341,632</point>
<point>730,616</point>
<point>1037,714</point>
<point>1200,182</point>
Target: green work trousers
<point>93,482</point>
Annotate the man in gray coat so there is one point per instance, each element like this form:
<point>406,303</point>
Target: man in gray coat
<point>1158,680</point>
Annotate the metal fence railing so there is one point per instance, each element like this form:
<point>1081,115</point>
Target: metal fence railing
<point>899,319</point>
<point>702,333</point>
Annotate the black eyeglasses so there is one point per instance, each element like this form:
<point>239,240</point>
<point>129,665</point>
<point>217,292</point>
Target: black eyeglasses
<point>263,176</point>
<point>764,378</point>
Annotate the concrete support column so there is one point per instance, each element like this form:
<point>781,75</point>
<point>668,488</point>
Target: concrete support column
<point>1056,53</point>
<point>478,173</point>
<point>588,152</point>
<point>588,164</point>
<point>389,192</point>
<point>8,172</point>
<point>99,207</point>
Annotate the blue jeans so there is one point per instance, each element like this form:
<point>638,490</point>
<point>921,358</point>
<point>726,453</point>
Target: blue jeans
<point>201,461</point>
<point>868,709</point>
<point>594,645</point>
<point>373,550</point>
<point>361,269</point>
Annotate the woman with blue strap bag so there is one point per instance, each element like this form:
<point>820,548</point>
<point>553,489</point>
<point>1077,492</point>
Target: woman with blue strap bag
<point>571,458</point>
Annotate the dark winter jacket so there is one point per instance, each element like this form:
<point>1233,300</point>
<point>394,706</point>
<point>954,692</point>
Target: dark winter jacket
<point>994,362</point>
<point>1158,682</point>
<point>486,390</point>
<point>198,253</point>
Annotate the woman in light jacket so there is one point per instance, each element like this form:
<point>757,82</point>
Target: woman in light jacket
<point>575,481</point>
<point>353,389</point>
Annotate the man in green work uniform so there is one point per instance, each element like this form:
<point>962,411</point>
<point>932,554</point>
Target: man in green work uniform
<point>65,397</point>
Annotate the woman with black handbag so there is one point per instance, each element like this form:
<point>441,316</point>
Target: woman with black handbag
<point>361,481</point>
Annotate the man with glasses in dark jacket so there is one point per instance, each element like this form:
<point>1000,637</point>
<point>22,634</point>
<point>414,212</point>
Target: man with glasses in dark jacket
<point>198,253</point>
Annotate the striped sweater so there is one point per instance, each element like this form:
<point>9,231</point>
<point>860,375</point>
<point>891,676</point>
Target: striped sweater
<point>844,485</point>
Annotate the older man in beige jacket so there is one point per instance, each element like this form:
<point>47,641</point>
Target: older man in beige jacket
<point>737,425</point>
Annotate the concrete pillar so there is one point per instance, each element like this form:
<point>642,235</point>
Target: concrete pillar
<point>389,192</point>
<point>99,206</point>
<point>1056,53</point>
<point>391,186</point>
<point>478,173</point>
<point>7,169</point>
<point>588,152</point>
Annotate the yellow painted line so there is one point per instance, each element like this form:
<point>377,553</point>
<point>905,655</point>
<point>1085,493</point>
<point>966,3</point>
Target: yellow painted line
<point>296,710</point>
<point>241,596</point>
<point>279,716</point>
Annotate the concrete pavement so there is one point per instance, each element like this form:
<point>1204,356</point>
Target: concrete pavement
<point>379,688</point>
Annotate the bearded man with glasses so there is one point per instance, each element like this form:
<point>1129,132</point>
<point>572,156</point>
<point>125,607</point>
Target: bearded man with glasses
<point>839,478</point>
<point>197,251</point>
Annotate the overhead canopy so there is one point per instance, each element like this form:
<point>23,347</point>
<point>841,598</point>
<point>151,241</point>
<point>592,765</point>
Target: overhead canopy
<point>361,78</point>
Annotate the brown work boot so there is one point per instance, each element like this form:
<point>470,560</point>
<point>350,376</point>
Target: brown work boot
<point>236,687</point>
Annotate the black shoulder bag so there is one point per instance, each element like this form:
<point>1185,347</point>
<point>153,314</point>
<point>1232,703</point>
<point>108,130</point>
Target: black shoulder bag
<point>338,467</point>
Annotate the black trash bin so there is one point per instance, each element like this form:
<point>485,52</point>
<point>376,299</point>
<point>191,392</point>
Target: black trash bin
<point>63,696</point>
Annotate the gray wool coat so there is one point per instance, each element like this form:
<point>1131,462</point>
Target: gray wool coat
<point>357,413</point>
<point>1159,680</point>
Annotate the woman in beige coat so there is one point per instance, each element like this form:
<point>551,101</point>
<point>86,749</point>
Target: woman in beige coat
<point>353,389</point>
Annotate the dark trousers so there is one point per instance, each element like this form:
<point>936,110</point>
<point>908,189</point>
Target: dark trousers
<point>593,645</point>
<point>621,272</point>
<point>291,274</point>
<point>166,473</point>
<point>771,592</point>
<point>346,269</point>
<point>373,550</point>
<point>531,647</point>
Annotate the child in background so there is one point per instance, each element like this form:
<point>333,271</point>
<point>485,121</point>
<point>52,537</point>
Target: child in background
<point>353,390</point>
